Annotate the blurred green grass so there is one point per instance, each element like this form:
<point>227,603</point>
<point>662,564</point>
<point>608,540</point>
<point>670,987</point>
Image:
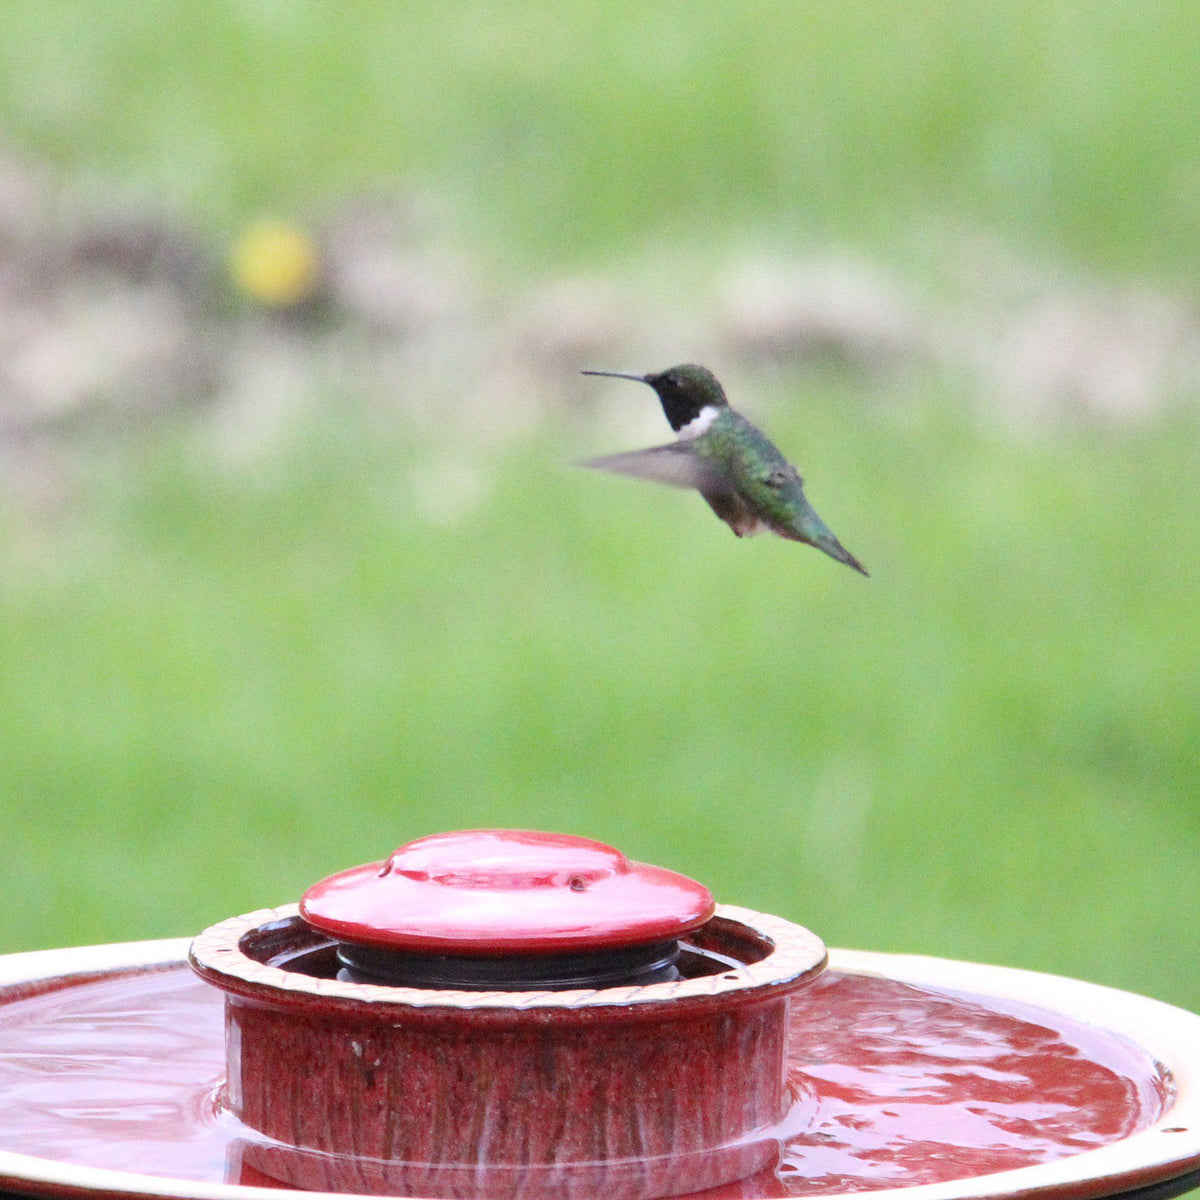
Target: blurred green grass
<point>218,685</point>
<point>235,684</point>
<point>579,129</point>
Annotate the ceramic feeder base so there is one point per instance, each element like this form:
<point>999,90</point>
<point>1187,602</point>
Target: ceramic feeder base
<point>633,1179</point>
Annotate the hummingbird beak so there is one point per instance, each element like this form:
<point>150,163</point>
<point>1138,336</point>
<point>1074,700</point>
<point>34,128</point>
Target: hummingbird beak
<point>618,375</point>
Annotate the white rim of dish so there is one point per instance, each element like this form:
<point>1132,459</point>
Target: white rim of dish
<point>1163,1151</point>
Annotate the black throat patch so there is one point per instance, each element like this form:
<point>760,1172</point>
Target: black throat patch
<point>680,407</point>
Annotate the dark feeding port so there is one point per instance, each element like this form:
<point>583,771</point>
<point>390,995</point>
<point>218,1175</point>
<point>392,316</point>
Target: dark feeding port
<point>294,945</point>
<point>627,966</point>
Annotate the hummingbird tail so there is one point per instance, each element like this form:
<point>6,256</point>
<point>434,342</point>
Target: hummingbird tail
<point>824,541</point>
<point>846,557</point>
<point>837,551</point>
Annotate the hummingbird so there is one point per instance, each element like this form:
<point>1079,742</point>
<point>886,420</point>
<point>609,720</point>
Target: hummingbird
<point>729,461</point>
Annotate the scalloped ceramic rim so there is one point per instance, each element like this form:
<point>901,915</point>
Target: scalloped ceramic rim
<point>1165,1150</point>
<point>797,955</point>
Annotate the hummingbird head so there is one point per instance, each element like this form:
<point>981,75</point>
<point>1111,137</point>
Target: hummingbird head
<point>684,391</point>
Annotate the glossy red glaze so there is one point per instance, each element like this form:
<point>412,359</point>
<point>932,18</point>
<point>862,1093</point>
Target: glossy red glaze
<point>501,891</point>
<point>896,1084</point>
<point>632,1092</point>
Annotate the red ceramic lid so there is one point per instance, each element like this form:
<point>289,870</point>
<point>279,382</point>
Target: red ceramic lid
<point>505,891</point>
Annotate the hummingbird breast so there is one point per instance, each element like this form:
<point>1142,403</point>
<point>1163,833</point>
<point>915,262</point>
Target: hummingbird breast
<point>764,491</point>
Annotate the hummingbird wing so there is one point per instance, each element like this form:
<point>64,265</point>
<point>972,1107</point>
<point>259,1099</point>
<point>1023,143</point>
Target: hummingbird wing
<point>675,464</point>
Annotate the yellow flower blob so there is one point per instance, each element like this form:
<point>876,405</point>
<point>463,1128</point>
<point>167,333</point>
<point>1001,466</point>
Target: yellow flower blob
<point>275,263</point>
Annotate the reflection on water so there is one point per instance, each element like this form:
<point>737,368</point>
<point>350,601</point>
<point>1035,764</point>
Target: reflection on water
<point>915,1087</point>
<point>895,1085</point>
